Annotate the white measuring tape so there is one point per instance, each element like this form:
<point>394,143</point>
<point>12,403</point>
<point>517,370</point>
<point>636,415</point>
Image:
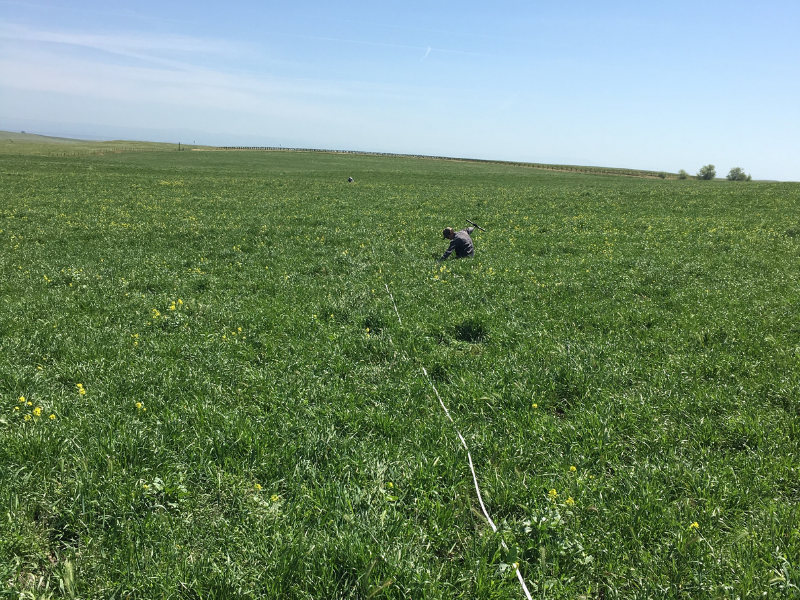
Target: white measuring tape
<point>469,457</point>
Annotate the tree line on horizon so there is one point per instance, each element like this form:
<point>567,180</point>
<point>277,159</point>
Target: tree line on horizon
<point>709,172</point>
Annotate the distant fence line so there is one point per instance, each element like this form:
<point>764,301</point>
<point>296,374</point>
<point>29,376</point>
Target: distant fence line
<point>549,167</point>
<point>570,168</point>
<point>98,151</point>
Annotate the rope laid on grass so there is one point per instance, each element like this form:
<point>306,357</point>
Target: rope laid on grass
<point>395,305</point>
<point>469,457</point>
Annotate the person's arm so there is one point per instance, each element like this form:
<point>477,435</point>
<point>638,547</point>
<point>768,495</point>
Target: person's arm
<point>449,251</point>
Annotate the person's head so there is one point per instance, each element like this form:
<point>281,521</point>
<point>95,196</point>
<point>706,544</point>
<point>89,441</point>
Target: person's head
<point>448,233</point>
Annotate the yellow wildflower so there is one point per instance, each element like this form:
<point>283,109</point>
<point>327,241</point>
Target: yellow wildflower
<point>552,494</point>
<point>37,412</point>
<point>139,405</point>
<point>180,301</point>
<point>81,391</point>
<point>27,417</point>
<point>535,405</point>
<point>573,469</point>
<point>274,497</point>
<point>156,313</point>
<point>22,399</point>
<point>694,525</point>
<point>258,487</point>
<point>16,408</point>
<point>570,501</point>
<point>52,417</point>
<point>389,484</point>
<point>172,306</point>
<point>145,486</point>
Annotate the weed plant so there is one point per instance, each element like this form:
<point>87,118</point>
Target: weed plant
<point>205,391</point>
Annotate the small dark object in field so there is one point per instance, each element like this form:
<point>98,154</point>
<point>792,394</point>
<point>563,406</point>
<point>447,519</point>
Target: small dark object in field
<point>471,331</point>
<point>350,180</point>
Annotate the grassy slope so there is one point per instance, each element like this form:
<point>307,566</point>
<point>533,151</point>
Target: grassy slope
<point>19,144</point>
<point>651,323</point>
<point>39,145</point>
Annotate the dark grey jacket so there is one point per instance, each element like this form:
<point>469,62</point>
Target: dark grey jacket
<point>462,244</point>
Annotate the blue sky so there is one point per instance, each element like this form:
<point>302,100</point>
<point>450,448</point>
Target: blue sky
<point>662,86</point>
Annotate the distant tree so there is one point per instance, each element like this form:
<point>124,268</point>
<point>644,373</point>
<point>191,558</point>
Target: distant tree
<point>662,175</point>
<point>737,174</point>
<point>708,172</point>
<point>682,174</point>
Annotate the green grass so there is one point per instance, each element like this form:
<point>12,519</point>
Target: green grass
<point>12,143</point>
<point>273,435</point>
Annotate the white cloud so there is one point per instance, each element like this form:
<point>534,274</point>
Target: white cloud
<point>123,43</point>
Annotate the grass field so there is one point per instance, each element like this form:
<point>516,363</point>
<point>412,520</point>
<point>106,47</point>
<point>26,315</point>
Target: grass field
<point>205,391</point>
<point>12,143</point>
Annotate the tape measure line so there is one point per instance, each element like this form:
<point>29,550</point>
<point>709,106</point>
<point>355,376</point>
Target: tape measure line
<point>393,304</point>
<point>469,457</point>
<point>475,480</point>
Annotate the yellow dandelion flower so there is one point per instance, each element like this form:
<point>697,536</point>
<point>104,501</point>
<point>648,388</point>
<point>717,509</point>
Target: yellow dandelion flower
<point>29,403</point>
<point>274,497</point>
<point>694,525</point>
<point>139,405</point>
<point>570,501</point>
<point>172,306</point>
<point>258,487</point>
<point>52,417</point>
<point>156,313</point>
<point>28,417</point>
<point>389,484</point>
<point>22,399</point>
<point>37,412</point>
<point>239,329</point>
<point>180,302</point>
<point>145,486</point>
<point>16,408</point>
<point>552,494</point>
<point>573,469</point>
<point>535,405</point>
